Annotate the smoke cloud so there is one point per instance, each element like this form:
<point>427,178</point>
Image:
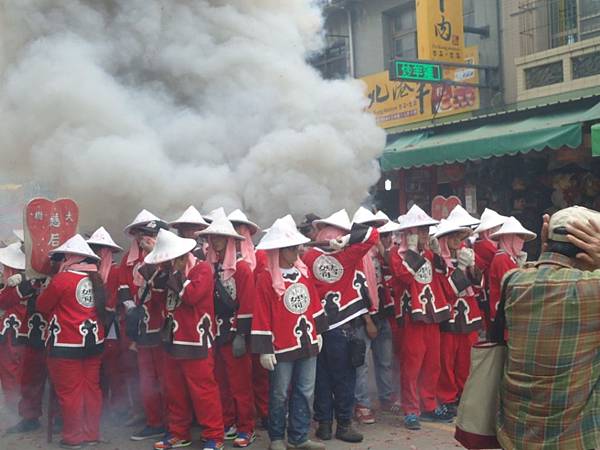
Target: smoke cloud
<point>160,104</point>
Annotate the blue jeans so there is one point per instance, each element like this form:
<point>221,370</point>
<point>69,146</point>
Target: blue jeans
<point>381,348</point>
<point>301,375</point>
<point>336,378</point>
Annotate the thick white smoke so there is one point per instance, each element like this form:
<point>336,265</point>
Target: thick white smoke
<point>164,103</point>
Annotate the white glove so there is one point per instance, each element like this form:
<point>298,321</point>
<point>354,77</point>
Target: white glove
<point>339,243</point>
<point>14,280</point>
<point>412,241</point>
<point>129,304</point>
<point>320,342</point>
<point>466,258</point>
<point>521,259</point>
<point>268,361</point>
<point>434,245</point>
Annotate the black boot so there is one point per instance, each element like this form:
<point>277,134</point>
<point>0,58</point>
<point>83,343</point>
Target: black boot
<point>24,426</point>
<point>345,432</point>
<point>324,431</point>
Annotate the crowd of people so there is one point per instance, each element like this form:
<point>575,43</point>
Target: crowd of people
<point>197,324</point>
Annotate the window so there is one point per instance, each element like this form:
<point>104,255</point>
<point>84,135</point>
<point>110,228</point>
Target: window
<point>586,65</point>
<point>333,61</point>
<point>544,75</point>
<point>573,21</point>
<point>402,30</point>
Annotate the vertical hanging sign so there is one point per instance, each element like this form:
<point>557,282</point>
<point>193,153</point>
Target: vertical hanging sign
<point>440,33</point>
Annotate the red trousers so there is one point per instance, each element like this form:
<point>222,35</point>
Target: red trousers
<point>455,364</point>
<point>77,386</point>
<point>260,381</point>
<point>420,369</point>
<point>114,381</point>
<point>11,364</point>
<point>235,383</point>
<point>33,381</point>
<point>151,365</point>
<point>192,389</point>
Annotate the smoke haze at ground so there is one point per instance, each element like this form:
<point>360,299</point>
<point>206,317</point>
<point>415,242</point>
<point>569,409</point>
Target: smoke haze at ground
<point>161,104</point>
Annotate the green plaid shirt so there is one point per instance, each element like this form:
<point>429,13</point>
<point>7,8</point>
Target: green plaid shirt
<point>550,393</point>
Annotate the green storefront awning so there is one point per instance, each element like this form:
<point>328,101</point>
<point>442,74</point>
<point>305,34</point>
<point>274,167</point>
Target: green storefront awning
<point>505,137</point>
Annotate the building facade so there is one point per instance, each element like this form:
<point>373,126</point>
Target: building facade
<point>525,147</point>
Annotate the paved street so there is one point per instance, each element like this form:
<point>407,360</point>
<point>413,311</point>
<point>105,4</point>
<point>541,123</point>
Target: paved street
<point>386,434</point>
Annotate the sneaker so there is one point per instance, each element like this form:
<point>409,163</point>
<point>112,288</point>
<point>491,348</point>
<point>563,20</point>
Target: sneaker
<point>244,439</point>
<point>277,445</point>
<point>63,444</point>
<point>148,433</point>
<point>213,445</point>
<point>452,408</point>
<point>24,426</point>
<point>439,414</point>
<point>170,441</point>
<point>364,415</point>
<point>308,445</point>
<point>231,433</point>
<point>411,422</point>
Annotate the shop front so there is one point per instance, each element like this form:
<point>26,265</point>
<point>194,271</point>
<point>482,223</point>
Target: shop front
<point>522,163</point>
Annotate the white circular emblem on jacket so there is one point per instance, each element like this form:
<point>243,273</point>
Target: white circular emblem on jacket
<point>296,298</point>
<point>328,269</point>
<point>425,274</point>
<point>84,293</point>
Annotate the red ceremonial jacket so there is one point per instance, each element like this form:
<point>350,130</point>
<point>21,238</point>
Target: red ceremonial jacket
<point>420,274</point>
<point>15,315</point>
<point>501,264</point>
<point>340,279</point>
<point>465,313</point>
<point>189,328</point>
<point>242,289</point>
<point>383,306</point>
<point>262,263</point>
<point>112,307</point>
<point>74,329</point>
<point>127,289</point>
<point>34,328</point>
<point>287,325</point>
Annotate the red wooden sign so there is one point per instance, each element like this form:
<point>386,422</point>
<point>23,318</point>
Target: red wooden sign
<point>441,206</point>
<point>48,224</point>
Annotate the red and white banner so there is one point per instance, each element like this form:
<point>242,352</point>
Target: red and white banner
<point>47,224</point>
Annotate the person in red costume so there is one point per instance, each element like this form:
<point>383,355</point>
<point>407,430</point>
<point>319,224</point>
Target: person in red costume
<point>144,316</point>
<point>185,287</point>
<point>485,249</point>
<point>459,332</point>
<point>288,321</point>
<point>235,295</point>
<point>112,375</point>
<point>423,306</point>
<point>258,262</point>
<point>188,225</point>
<point>14,306</point>
<point>342,284</point>
<point>510,255</point>
<point>73,303</point>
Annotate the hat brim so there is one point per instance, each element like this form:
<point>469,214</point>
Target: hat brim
<point>10,260</point>
<point>161,257</point>
<point>466,231</point>
<point>114,248</point>
<point>326,223</point>
<point>279,244</point>
<point>253,227</point>
<point>377,223</point>
<point>525,235</point>
<point>129,228</point>
<point>64,252</point>
<point>481,228</point>
<point>219,233</point>
<point>177,224</point>
<point>430,223</point>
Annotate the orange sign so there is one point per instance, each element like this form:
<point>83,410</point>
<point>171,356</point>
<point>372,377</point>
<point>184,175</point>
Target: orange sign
<point>440,33</point>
